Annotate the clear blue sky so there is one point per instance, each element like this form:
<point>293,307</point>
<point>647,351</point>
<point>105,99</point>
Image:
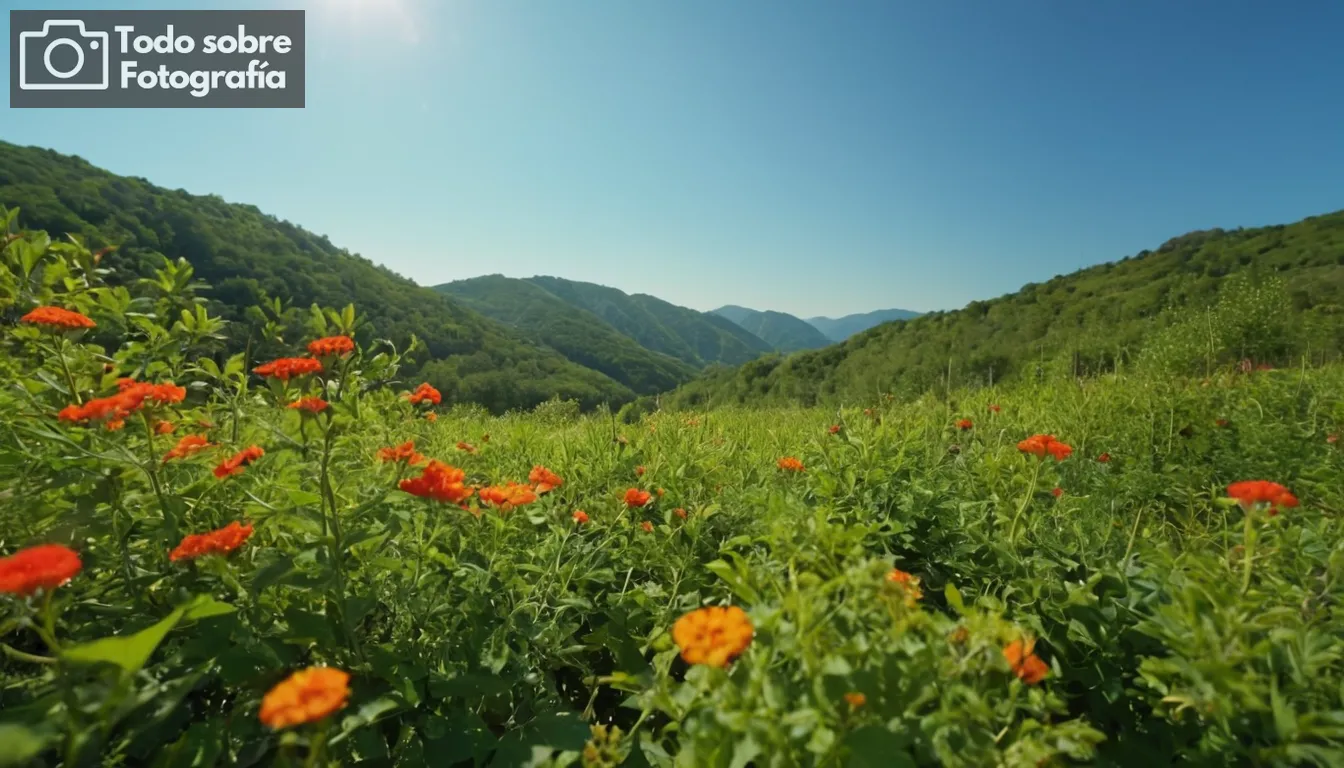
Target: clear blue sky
<point>810,157</point>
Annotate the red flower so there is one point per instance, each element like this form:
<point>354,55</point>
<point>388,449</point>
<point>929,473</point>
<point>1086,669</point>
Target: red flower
<point>965,424</point>
<point>639,471</point>
<point>438,481</point>
<point>431,417</point>
<point>1040,445</point>
<point>790,464</point>
<point>287,368</point>
<point>131,397</point>
<point>509,495</point>
<point>46,566</point>
<point>1253,492</point>
<point>1025,664</point>
<point>834,429</point>
<point>1332,439</point>
<point>995,408</point>
<point>1104,458</point>
<point>544,479</point>
<point>1056,492</point>
<point>425,393</point>
<point>331,346</point>
<point>313,405</point>
<point>56,317</point>
<point>163,427</point>
<point>217,542</point>
<point>404,452</point>
<point>637,498</point>
<point>680,513</point>
<point>580,516</point>
<point>235,463</point>
<point>468,447</point>
<point>647,526</point>
<point>188,445</point>
<point>1221,422</point>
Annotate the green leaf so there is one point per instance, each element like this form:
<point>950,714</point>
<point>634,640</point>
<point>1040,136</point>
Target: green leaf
<point>876,747</point>
<point>18,744</point>
<point>132,652</point>
<point>953,596</point>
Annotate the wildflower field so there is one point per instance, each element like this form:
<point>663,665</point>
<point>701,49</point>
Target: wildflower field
<point>295,554</point>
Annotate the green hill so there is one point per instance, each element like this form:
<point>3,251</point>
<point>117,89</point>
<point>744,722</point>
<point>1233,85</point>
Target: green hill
<point>841,328</point>
<point>696,338</point>
<point>1203,300</point>
<point>576,333</point>
<point>249,257</point>
<point>783,332</point>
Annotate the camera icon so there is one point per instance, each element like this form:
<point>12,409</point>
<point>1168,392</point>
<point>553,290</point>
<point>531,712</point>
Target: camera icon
<point>64,56</point>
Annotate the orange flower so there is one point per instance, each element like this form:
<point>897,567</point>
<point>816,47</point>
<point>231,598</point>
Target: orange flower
<point>834,429</point>
<point>188,445</point>
<point>438,481</point>
<point>713,636</point>
<point>1025,664</point>
<point>287,368</point>
<point>1056,492</point>
<point>580,516</point>
<point>647,526</point>
<point>56,317</point>
<point>114,425</point>
<point>1331,439</point>
<point>1040,445</point>
<point>305,697</point>
<point>218,542</point>
<point>425,394</point>
<point>404,452</point>
<point>680,513</point>
<point>468,447</point>
<point>994,409</point>
<point>965,424</point>
<point>1253,492</point>
<point>509,495</point>
<point>855,700</point>
<point>46,566</point>
<point>131,397</point>
<point>790,464</point>
<point>660,492</point>
<point>544,479</point>
<point>1104,458</point>
<point>331,346</point>
<point>163,427</point>
<point>431,417</point>
<point>313,405</point>
<point>908,584</point>
<point>637,498</point>
<point>235,463</point>
<point>639,471</point>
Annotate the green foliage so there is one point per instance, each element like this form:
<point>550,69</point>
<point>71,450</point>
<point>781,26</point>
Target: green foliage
<point>265,272</point>
<point>783,332</point>
<point>574,332</point>
<point>1093,321</point>
<point>1171,625</point>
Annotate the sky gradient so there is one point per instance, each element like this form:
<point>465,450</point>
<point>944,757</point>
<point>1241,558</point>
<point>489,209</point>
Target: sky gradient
<point>812,158</point>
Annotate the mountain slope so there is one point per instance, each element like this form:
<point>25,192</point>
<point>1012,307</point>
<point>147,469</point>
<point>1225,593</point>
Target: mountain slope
<point>695,338</point>
<point>841,328</point>
<point>247,256</point>
<point>1202,300</point>
<point>576,333</point>
<point>783,332</point>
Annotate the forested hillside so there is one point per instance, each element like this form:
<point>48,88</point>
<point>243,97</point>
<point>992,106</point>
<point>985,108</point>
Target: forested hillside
<point>782,331</point>
<point>574,332</point>
<point>1205,299</point>
<point>697,338</point>
<point>250,258</point>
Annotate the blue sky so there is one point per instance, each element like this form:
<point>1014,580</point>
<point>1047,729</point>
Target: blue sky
<point>814,158</point>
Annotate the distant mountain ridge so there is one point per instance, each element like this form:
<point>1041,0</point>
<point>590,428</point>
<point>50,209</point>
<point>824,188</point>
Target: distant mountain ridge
<point>782,331</point>
<point>841,328</point>
<point>640,341</point>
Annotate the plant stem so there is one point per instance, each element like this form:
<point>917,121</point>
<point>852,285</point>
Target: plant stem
<point>65,368</point>
<point>15,653</point>
<point>1031,491</point>
<point>1248,550</point>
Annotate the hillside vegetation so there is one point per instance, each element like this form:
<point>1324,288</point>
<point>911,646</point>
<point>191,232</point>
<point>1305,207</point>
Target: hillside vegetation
<point>581,336</point>
<point>782,331</point>
<point>280,270</point>
<point>696,338</point>
<point>209,563</point>
<point>1273,295</point>
<point>841,328</point>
